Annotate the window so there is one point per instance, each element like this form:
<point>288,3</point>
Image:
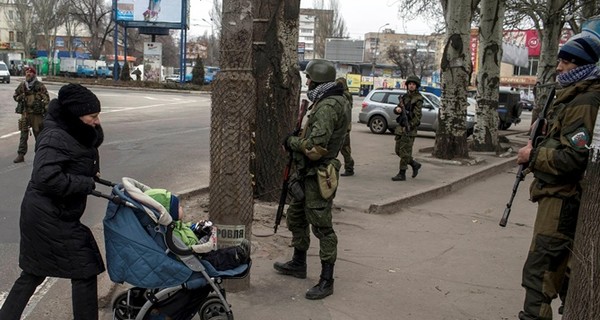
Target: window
<point>393,98</point>
<point>378,96</point>
<point>11,36</point>
<point>530,70</point>
<point>19,37</point>
<point>10,15</point>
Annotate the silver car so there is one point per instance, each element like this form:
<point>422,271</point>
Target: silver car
<point>378,111</point>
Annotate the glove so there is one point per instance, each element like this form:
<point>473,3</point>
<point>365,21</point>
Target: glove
<point>285,143</point>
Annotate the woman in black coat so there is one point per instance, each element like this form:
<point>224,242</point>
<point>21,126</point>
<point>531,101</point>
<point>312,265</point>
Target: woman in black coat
<point>54,242</point>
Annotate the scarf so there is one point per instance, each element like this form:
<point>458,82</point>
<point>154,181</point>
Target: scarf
<point>586,72</point>
<point>318,92</point>
<point>29,84</point>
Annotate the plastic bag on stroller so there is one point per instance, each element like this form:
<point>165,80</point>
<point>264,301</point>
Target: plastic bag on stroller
<point>167,276</point>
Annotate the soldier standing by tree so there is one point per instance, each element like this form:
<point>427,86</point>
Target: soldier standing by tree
<point>409,111</point>
<point>32,98</point>
<point>558,163</point>
<point>317,168</point>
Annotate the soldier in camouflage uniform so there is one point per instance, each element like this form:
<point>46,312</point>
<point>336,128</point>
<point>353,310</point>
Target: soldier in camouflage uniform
<point>408,119</point>
<point>558,164</point>
<point>32,100</point>
<point>315,150</point>
<point>346,148</point>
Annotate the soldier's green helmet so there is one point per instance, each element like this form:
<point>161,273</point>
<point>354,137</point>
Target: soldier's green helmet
<point>414,79</point>
<point>320,71</point>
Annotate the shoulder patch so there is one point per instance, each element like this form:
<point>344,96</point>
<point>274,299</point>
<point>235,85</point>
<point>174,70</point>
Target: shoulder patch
<point>579,138</point>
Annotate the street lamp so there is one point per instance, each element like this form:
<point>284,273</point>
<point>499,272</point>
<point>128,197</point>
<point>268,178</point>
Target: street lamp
<point>375,52</point>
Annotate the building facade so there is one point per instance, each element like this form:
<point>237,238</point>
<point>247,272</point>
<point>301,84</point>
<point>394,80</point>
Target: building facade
<point>12,50</point>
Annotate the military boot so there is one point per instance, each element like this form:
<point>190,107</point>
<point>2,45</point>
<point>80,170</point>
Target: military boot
<point>325,286</point>
<point>401,176</point>
<point>415,167</point>
<point>20,158</point>
<point>295,267</point>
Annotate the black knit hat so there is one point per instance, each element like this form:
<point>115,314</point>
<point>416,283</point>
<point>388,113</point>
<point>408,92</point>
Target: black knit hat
<point>581,49</point>
<point>78,99</point>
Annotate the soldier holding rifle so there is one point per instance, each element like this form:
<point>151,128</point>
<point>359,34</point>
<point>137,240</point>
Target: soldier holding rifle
<point>409,111</point>
<point>316,171</point>
<point>558,163</point>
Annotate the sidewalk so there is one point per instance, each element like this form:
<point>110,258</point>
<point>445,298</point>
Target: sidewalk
<point>370,191</point>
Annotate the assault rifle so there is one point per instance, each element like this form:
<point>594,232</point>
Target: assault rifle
<point>535,136</point>
<point>288,167</point>
<point>402,119</point>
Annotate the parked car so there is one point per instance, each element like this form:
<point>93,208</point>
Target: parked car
<point>378,111</point>
<point>526,104</point>
<point>4,73</point>
<point>509,110</point>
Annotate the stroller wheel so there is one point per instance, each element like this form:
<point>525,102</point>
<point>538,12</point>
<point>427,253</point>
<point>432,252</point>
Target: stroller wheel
<point>123,310</point>
<point>213,309</point>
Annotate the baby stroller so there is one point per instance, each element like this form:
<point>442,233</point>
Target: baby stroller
<point>170,281</point>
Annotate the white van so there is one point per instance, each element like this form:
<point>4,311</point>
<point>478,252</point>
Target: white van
<point>4,73</point>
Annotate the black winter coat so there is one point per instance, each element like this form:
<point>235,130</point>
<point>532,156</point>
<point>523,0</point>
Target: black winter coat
<point>53,240</point>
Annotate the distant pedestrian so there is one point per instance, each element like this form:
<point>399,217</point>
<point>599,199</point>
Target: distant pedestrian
<point>558,164</point>
<point>32,99</point>
<point>346,150</point>
<point>409,118</point>
<point>137,73</point>
<point>316,174</point>
<point>54,242</point>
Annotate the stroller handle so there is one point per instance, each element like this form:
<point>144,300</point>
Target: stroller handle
<point>104,182</point>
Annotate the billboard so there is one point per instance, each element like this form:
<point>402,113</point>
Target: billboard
<point>344,50</point>
<point>166,11</point>
<point>152,61</point>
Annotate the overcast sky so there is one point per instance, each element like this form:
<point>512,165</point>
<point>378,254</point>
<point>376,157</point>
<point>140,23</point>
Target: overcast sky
<point>361,16</point>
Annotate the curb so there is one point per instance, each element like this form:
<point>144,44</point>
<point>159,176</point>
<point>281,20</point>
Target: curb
<point>391,206</point>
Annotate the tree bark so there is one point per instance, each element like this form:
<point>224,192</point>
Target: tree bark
<point>550,36</point>
<point>485,136</point>
<point>450,139</point>
<point>233,108</point>
<point>583,297</point>
<point>277,90</point>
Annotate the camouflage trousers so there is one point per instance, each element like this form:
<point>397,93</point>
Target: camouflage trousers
<point>346,152</point>
<point>313,212</point>
<point>35,121</point>
<point>404,146</point>
<point>545,273</point>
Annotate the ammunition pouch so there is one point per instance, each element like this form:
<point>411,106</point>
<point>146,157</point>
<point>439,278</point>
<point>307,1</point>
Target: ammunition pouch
<point>328,180</point>
<point>38,106</point>
<point>20,107</point>
<point>296,188</point>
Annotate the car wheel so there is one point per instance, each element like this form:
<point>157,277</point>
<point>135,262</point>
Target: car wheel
<point>378,125</point>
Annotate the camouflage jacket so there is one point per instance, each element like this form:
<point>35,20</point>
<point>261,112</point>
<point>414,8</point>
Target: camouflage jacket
<point>413,101</point>
<point>560,159</point>
<point>323,135</point>
<point>32,100</point>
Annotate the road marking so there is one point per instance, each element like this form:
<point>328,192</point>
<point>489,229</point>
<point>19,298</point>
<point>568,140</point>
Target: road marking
<point>36,298</point>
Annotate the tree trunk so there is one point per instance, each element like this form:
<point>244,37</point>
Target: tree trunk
<point>450,139</point>
<point>583,298</point>
<point>277,91</point>
<point>550,36</point>
<point>485,137</point>
<point>233,108</point>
